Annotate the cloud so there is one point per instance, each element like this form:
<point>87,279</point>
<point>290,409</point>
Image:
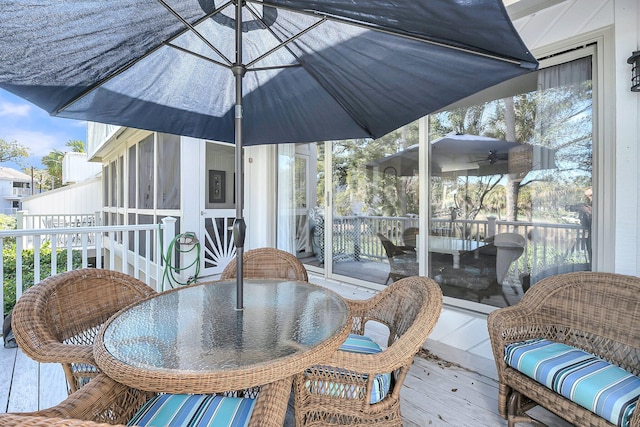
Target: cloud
<point>39,143</point>
<point>11,109</point>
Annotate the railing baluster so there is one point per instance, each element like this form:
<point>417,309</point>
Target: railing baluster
<point>36,259</point>
<point>54,253</point>
<point>136,251</point>
<point>125,252</point>
<point>69,252</point>
<point>18,268</point>
<point>112,252</point>
<point>85,250</point>
<point>98,236</point>
<point>147,251</point>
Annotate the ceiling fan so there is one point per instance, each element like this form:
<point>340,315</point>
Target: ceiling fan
<point>492,158</point>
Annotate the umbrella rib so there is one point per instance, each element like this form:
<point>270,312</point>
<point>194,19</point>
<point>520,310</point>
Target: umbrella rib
<point>140,58</point>
<point>190,52</point>
<point>196,32</point>
<point>371,27</point>
<point>322,20</point>
<point>275,67</point>
<point>283,43</point>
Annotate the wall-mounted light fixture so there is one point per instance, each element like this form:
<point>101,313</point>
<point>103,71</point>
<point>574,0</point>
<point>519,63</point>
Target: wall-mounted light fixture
<point>634,60</point>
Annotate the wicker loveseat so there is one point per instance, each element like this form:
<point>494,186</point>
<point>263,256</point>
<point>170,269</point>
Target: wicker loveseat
<point>593,313</point>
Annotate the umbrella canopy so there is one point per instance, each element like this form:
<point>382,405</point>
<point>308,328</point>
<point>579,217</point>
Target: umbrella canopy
<point>472,155</point>
<point>295,70</point>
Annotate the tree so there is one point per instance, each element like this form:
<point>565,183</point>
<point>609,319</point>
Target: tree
<point>53,161</point>
<point>76,146</point>
<point>41,178</point>
<point>53,166</point>
<point>12,151</point>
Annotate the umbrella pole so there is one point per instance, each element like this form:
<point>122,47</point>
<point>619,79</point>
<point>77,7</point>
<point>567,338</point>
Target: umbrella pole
<point>239,225</point>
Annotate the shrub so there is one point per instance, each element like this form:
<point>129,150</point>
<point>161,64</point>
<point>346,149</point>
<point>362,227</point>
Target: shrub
<point>9,257</point>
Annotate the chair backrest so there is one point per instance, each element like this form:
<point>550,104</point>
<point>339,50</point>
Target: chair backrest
<point>390,249</point>
<point>510,247</point>
<point>267,263</point>
<point>410,308</point>
<point>70,307</point>
<point>409,236</point>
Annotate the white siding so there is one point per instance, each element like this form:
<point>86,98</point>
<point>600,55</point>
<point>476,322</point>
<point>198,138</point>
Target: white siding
<point>76,168</point>
<point>81,198</point>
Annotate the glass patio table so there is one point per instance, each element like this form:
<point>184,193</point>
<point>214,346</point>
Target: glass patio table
<point>193,340</point>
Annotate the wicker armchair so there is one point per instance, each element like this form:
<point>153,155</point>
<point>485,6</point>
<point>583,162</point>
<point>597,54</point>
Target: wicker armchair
<point>57,320</point>
<point>267,263</point>
<point>598,313</point>
<point>339,391</point>
<point>104,401</point>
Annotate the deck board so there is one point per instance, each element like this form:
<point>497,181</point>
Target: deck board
<point>23,395</point>
<point>53,385</point>
<point>7,364</point>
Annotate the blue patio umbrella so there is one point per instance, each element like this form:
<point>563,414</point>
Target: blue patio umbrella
<point>255,72</point>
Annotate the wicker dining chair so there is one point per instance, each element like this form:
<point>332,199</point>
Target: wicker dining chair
<point>103,402</point>
<point>361,383</point>
<point>58,319</point>
<point>267,263</point>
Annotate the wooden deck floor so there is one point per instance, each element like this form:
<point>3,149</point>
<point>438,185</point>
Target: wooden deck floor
<point>436,392</point>
<point>445,387</point>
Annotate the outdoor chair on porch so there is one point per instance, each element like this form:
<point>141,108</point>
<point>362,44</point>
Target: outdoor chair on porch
<point>572,346</point>
<point>104,402</point>
<point>483,272</point>
<point>267,263</point>
<point>58,319</point>
<point>361,383</point>
<point>402,260</point>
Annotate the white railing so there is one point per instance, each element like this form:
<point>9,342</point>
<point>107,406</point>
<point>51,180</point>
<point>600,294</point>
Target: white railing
<point>547,246</point>
<point>132,249</point>
<point>21,191</point>
<point>50,221</point>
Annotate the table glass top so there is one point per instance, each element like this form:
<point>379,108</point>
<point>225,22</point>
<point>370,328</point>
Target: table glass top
<point>197,328</point>
<point>448,243</point>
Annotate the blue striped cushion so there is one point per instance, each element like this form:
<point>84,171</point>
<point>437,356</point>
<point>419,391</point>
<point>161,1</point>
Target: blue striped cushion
<point>197,410</point>
<point>603,388</point>
<point>363,344</point>
<point>381,383</point>
<point>360,344</point>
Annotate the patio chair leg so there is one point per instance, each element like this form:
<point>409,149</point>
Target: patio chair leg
<point>516,410</point>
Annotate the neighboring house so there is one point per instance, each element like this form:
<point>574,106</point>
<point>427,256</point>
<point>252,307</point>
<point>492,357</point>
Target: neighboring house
<point>14,187</point>
<point>147,176</point>
<point>81,194</point>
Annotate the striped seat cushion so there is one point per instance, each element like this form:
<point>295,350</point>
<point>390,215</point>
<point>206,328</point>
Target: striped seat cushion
<point>603,388</point>
<point>381,383</point>
<point>196,410</point>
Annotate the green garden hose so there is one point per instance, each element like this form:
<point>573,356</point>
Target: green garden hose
<point>170,272</point>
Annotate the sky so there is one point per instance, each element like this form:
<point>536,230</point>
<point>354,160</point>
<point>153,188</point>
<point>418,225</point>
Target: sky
<point>32,127</point>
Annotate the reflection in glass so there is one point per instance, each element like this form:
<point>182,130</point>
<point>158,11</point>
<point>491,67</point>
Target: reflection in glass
<point>511,176</point>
